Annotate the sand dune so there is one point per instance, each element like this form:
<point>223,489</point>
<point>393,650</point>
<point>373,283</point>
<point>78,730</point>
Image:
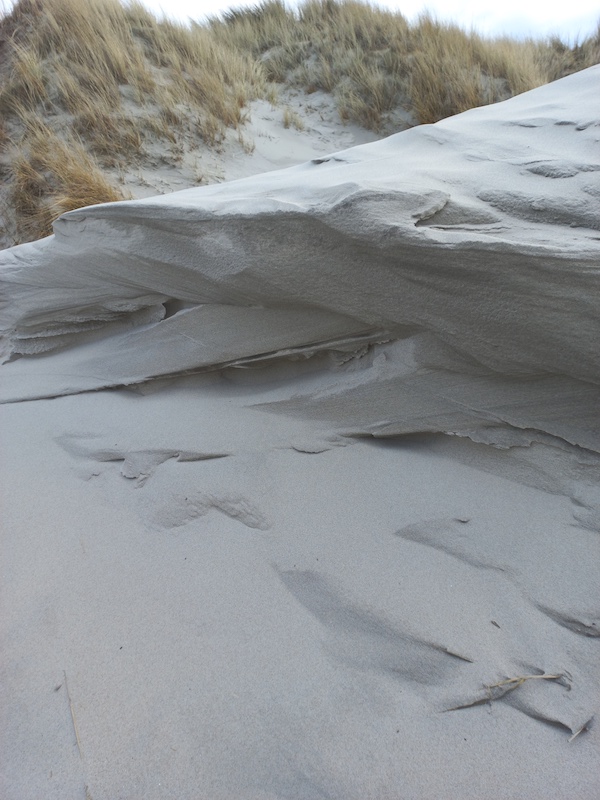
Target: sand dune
<point>302,476</point>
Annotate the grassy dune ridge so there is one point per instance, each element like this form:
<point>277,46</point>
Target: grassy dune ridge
<point>86,88</point>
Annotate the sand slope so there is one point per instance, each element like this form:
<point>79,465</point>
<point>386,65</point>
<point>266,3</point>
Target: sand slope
<point>343,493</point>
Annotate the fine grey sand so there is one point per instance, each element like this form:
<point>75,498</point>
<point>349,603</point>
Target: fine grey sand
<point>301,477</point>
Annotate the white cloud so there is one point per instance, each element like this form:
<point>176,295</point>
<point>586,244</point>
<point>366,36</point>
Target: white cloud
<point>511,17</point>
<point>492,17</point>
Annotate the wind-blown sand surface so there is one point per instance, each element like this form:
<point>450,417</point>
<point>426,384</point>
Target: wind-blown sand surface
<point>302,477</point>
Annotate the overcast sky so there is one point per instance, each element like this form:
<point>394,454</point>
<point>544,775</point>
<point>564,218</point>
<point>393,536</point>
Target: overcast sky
<point>570,20</point>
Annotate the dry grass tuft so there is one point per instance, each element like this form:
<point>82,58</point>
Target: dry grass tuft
<point>291,119</point>
<point>53,175</point>
<point>114,138</point>
<point>4,137</point>
<point>372,60</point>
<point>100,78</point>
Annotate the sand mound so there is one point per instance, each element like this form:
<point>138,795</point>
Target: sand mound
<point>259,566</point>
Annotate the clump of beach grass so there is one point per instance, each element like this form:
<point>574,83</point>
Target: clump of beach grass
<point>291,119</point>
<point>79,69</point>
<point>51,175</point>
<point>372,59</point>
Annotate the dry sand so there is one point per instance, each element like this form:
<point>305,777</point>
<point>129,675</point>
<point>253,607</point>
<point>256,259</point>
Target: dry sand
<point>206,599</point>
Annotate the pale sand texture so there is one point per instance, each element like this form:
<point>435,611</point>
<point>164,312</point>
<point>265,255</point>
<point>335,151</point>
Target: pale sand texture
<point>262,145</point>
<point>274,580</point>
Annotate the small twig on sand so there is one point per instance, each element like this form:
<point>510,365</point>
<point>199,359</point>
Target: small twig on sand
<point>514,683</point>
<point>584,727</point>
<point>73,716</point>
<point>497,690</point>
